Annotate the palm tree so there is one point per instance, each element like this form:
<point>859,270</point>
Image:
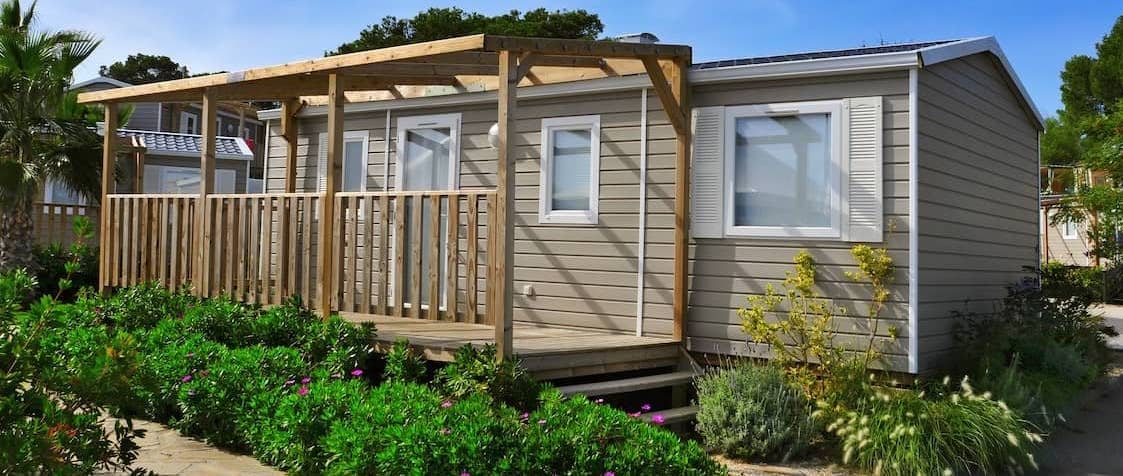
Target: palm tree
<point>42,132</point>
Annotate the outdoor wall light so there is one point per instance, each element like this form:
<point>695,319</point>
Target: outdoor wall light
<point>493,136</point>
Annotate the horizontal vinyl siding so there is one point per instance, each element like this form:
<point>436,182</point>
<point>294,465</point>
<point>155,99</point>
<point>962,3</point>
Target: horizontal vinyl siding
<point>978,196</point>
<point>724,271</point>
<point>145,117</point>
<point>582,275</point>
<point>1072,252</point>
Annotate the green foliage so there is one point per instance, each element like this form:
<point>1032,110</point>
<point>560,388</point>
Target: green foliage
<point>63,271</point>
<point>441,23</point>
<point>221,319</point>
<point>56,382</point>
<point>143,69</point>
<point>475,370</point>
<point>945,432</point>
<point>1063,282</point>
<point>403,364</point>
<point>752,412</point>
<point>143,306</point>
<point>284,324</point>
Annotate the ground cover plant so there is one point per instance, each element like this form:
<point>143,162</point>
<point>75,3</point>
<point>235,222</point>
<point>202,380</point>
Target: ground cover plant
<point>301,393</point>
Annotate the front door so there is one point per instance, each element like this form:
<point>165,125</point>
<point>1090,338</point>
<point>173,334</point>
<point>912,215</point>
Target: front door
<point>427,160</point>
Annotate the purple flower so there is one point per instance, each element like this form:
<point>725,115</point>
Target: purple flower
<point>306,380</point>
<point>357,373</point>
<point>524,417</point>
<point>609,473</point>
<point>465,473</point>
<point>302,391</point>
<point>645,407</point>
<point>446,404</point>
<point>599,401</point>
<point>658,419</point>
<point>186,378</point>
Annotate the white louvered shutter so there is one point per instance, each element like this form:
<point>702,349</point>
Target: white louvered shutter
<point>707,184</point>
<point>862,152</point>
<point>322,164</point>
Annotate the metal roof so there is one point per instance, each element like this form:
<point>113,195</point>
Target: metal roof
<point>813,55</point>
<point>190,145</point>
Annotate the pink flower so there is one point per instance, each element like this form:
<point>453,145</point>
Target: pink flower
<point>645,407</point>
<point>609,473</point>
<point>306,380</point>
<point>186,378</point>
<point>598,402</point>
<point>465,473</point>
<point>658,419</point>
<point>524,417</point>
<point>302,391</point>
<point>634,415</point>
<point>357,373</point>
<point>446,404</point>
<point>289,383</point>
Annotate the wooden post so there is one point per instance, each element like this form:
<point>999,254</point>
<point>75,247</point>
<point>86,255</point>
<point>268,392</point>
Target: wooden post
<point>681,90</point>
<point>285,255</point>
<point>108,163</point>
<point>201,273</point>
<point>501,258</point>
<point>1045,238</point>
<point>327,207</point>
<point>241,121</point>
<point>140,155</point>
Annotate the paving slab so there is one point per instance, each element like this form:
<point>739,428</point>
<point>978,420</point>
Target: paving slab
<point>165,451</point>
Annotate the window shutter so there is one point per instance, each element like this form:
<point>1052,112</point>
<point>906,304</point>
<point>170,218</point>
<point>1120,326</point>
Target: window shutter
<point>322,164</point>
<point>862,149</point>
<point>707,183</point>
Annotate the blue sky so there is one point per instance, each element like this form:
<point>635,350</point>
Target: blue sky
<point>209,35</point>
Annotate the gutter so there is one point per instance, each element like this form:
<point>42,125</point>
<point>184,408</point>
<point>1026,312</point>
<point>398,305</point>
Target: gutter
<point>641,252</point>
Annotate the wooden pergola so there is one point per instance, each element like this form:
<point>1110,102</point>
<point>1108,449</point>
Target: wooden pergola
<point>477,62</point>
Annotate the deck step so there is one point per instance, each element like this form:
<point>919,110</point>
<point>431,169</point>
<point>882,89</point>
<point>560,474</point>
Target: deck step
<point>626,385</point>
<point>673,415</point>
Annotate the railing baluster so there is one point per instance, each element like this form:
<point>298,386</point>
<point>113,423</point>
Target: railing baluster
<point>452,268</point>
<point>383,253</point>
<point>471,298</point>
<point>434,256</point>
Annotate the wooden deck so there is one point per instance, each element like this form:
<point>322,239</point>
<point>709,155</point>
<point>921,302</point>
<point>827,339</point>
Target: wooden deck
<point>547,353</point>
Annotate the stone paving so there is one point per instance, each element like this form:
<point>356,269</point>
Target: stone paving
<point>165,451</point>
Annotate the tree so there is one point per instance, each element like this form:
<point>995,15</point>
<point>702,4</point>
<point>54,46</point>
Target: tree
<point>440,23</point>
<point>43,133</point>
<point>1088,133</point>
<point>143,69</point>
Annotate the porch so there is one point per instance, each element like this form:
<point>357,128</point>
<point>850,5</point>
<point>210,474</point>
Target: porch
<point>444,259</point>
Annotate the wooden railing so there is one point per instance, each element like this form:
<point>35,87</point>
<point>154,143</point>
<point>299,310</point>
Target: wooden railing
<point>262,248</point>
<point>54,222</point>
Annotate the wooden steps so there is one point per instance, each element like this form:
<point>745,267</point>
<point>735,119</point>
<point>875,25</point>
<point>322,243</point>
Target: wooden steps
<point>612,387</point>
<point>673,415</point>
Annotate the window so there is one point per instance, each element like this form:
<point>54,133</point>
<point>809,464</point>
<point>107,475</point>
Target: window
<point>171,179</point>
<point>188,123</point>
<point>57,193</point>
<point>783,166</point>
<point>354,174</point>
<point>1069,230</point>
<point>569,176</point>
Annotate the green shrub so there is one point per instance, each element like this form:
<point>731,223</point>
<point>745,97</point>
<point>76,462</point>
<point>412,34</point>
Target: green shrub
<point>946,432</point>
<point>144,305</point>
<point>403,364</point>
<point>1061,281</point>
<point>337,346</point>
<point>476,370</point>
<point>51,266</point>
<point>288,424</point>
<point>577,436</point>
<point>163,367</point>
<point>284,325</point>
<point>213,400</point>
<point>222,319</point>
<point>750,411</point>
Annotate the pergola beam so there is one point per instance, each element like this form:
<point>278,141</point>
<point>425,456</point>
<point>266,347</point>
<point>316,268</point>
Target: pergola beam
<point>598,49</point>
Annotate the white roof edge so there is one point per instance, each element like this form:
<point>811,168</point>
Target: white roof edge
<point>823,66</point>
<point>100,79</point>
<point>984,44</point>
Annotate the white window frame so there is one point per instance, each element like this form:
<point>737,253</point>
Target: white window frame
<point>835,109</point>
<point>1065,231</point>
<point>348,136</point>
<point>183,116</point>
<point>408,123</point>
<point>546,213</point>
<point>49,197</point>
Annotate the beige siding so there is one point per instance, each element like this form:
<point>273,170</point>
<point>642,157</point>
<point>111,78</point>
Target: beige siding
<point>1073,252</point>
<point>978,192</point>
<point>724,271</point>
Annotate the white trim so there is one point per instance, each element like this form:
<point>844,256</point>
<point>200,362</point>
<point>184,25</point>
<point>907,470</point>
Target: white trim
<point>159,116</point>
<point>265,155</point>
<point>641,252</point>
<point>967,47</point>
<point>100,79</point>
<point>914,220</point>
<point>1065,235</point>
<point>546,214</point>
<point>451,121</point>
<point>183,129</point>
<point>361,136</point>
<point>834,108</point>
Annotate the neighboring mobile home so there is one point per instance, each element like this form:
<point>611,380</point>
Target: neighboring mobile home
<point>927,149</point>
